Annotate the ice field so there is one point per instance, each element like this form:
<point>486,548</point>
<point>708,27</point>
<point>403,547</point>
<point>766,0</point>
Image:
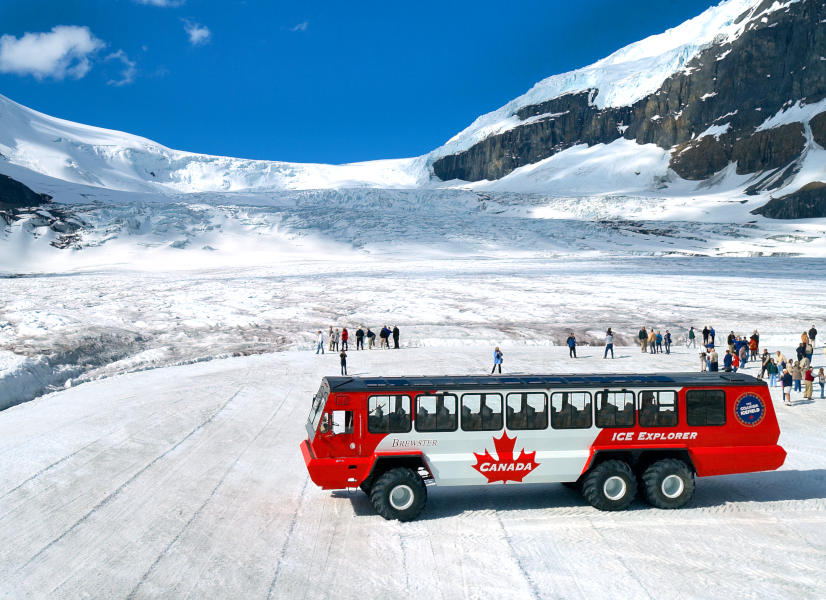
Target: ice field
<point>188,482</point>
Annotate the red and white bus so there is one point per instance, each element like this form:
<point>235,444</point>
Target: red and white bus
<point>606,434</point>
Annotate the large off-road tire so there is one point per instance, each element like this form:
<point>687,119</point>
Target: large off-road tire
<point>668,483</point>
<point>399,494</point>
<point>610,485</point>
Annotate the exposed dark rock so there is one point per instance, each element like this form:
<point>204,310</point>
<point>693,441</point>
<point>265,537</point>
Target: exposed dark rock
<point>806,203</point>
<point>700,159</point>
<point>769,149</point>
<point>773,64</point>
<point>818,125</point>
<point>14,194</point>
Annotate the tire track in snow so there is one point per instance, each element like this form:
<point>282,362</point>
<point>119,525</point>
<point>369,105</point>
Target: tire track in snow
<point>525,575</point>
<point>203,505</point>
<point>290,531</point>
<point>126,484</point>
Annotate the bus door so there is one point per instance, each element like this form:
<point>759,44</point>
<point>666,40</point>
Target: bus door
<point>340,428</point>
<point>572,433</point>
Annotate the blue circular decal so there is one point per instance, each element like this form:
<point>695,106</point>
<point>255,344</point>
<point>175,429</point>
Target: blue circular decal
<point>749,410</point>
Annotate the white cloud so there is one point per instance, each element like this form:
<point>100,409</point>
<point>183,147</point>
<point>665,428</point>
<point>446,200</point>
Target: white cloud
<point>127,76</point>
<point>198,34</point>
<point>300,27</point>
<point>62,52</point>
<point>161,2</point>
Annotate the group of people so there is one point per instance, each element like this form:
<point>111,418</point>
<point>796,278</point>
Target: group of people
<point>339,341</point>
<point>653,342</point>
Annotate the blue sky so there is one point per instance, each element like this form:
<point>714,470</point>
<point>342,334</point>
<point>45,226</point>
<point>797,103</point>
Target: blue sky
<point>309,81</point>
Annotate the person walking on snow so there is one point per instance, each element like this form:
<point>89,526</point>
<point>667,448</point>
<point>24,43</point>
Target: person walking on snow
<point>667,340</point>
<point>692,338</point>
<point>497,360</point>
<point>343,357</point>
<point>609,343</point>
<point>571,341</point>
<point>320,343</point>
<point>812,335</point>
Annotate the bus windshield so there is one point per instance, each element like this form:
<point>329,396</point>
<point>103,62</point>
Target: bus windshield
<point>317,408</point>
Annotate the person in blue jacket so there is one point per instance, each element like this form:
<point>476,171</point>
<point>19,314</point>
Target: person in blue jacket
<point>727,361</point>
<point>497,360</point>
<point>667,341</point>
<point>571,341</point>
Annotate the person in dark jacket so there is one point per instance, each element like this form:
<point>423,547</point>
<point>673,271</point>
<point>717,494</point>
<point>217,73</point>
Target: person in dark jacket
<point>371,339</point>
<point>359,339</point>
<point>396,337</point>
<point>384,334</point>
<point>643,337</point>
<point>786,382</point>
<point>812,335</point>
<point>343,357</point>
<point>667,340</point>
<point>728,360</point>
<point>705,336</point>
<point>571,341</point>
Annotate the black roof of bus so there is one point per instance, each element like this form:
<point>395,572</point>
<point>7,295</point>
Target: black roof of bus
<point>572,380</point>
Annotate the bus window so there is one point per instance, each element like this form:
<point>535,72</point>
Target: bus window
<point>342,421</point>
<point>436,412</point>
<point>527,411</point>
<point>705,407</point>
<point>658,409</point>
<point>615,409</point>
<point>570,410</point>
<point>388,414</point>
<point>481,412</point>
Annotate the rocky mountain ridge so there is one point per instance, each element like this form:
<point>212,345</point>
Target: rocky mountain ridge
<point>713,113</point>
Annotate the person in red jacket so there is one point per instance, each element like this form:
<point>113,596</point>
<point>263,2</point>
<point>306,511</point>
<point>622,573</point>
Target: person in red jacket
<point>808,382</point>
<point>344,337</point>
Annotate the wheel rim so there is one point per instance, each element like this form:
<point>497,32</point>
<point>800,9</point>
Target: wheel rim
<point>672,486</point>
<point>614,488</point>
<point>401,497</point>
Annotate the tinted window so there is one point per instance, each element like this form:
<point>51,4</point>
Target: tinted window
<point>388,414</point>
<point>570,410</point>
<point>436,412</point>
<point>615,409</point>
<point>705,407</point>
<point>481,412</point>
<point>527,411</point>
<point>658,409</point>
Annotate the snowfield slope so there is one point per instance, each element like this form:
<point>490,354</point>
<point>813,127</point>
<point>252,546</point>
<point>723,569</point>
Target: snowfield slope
<point>188,482</point>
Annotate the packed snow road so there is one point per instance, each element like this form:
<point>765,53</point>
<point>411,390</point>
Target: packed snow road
<point>188,482</point>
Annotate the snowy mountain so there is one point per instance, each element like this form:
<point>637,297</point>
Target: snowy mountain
<point>666,146</point>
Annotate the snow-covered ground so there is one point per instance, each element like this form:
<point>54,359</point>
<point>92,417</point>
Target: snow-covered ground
<point>188,482</point>
<point>70,327</point>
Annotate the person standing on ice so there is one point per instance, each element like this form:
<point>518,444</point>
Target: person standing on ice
<point>692,341</point>
<point>497,360</point>
<point>711,334</point>
<point>571,341</point>
<point>343,357</point>
<point>821,379</point>
<point>396,337</point>
<point>712,360</point>
<point>336,338</point>
<point>320,343</point>
<point>652,341</point>
<point>786,383</point>
<point>360,338</point>
<point>772,370</point>
<point>728,360</point>
<point>330,337</point>
<point>797,375</point>
<point>609,343</point>
<point>808,382</point>
<point>643,337</point>
<point>812,335</point>
<point>344,337</point>
<point>371,339</point>
<point>667,340</point>
<point>705,335</point>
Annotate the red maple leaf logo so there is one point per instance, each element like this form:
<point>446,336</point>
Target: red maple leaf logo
<point>506,468</point>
